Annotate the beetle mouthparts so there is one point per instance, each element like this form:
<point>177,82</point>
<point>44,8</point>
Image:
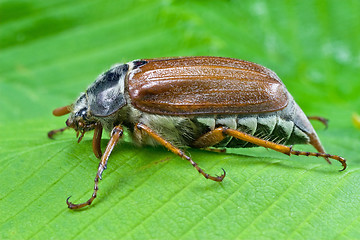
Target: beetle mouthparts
<point>69,123</point>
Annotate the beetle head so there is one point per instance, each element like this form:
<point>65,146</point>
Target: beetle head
<point>102,98</point>
<point>80,118</point>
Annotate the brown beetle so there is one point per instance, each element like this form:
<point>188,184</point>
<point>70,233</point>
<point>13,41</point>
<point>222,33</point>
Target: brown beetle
<point>196,102</point>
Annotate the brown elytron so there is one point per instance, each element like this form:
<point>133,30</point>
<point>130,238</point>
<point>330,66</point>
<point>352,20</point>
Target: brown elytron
<point>211,85</point>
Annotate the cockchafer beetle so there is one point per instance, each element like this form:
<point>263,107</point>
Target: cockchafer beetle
<point>196,102</point>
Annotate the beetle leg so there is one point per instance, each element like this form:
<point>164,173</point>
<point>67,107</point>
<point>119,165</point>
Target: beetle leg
<point>315,142</point>
<point>96,142</point>
<point>206,142</point>
<point>217,150</point>
<point>216,135</point>
<point>209,139</point>
<point>320,119</point>
<point>53,132</point>
<point>116,133</point>
<point>177,151</point>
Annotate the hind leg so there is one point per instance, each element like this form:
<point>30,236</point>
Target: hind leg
<point>218,134</point>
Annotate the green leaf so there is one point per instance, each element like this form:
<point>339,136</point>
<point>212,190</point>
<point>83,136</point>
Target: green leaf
<point>51,50</point>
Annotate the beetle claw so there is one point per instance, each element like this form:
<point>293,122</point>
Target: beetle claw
<point>70,204</point>
<point>222,176</point>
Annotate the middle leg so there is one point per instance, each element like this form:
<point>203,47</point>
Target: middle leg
<point>177,151</point>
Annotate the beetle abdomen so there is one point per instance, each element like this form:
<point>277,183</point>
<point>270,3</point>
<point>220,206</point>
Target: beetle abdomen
<point>183,131</point>
<point>269,127</point>
<point>272,128</point>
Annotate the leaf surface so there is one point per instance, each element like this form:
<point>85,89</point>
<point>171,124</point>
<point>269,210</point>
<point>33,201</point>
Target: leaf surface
<point>51,51</point>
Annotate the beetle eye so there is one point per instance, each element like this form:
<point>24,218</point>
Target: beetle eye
<point>82,113</point>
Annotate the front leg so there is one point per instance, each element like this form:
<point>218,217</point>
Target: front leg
<point>96,142</point>
<point>116,133</point>
<point>177,151</point>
